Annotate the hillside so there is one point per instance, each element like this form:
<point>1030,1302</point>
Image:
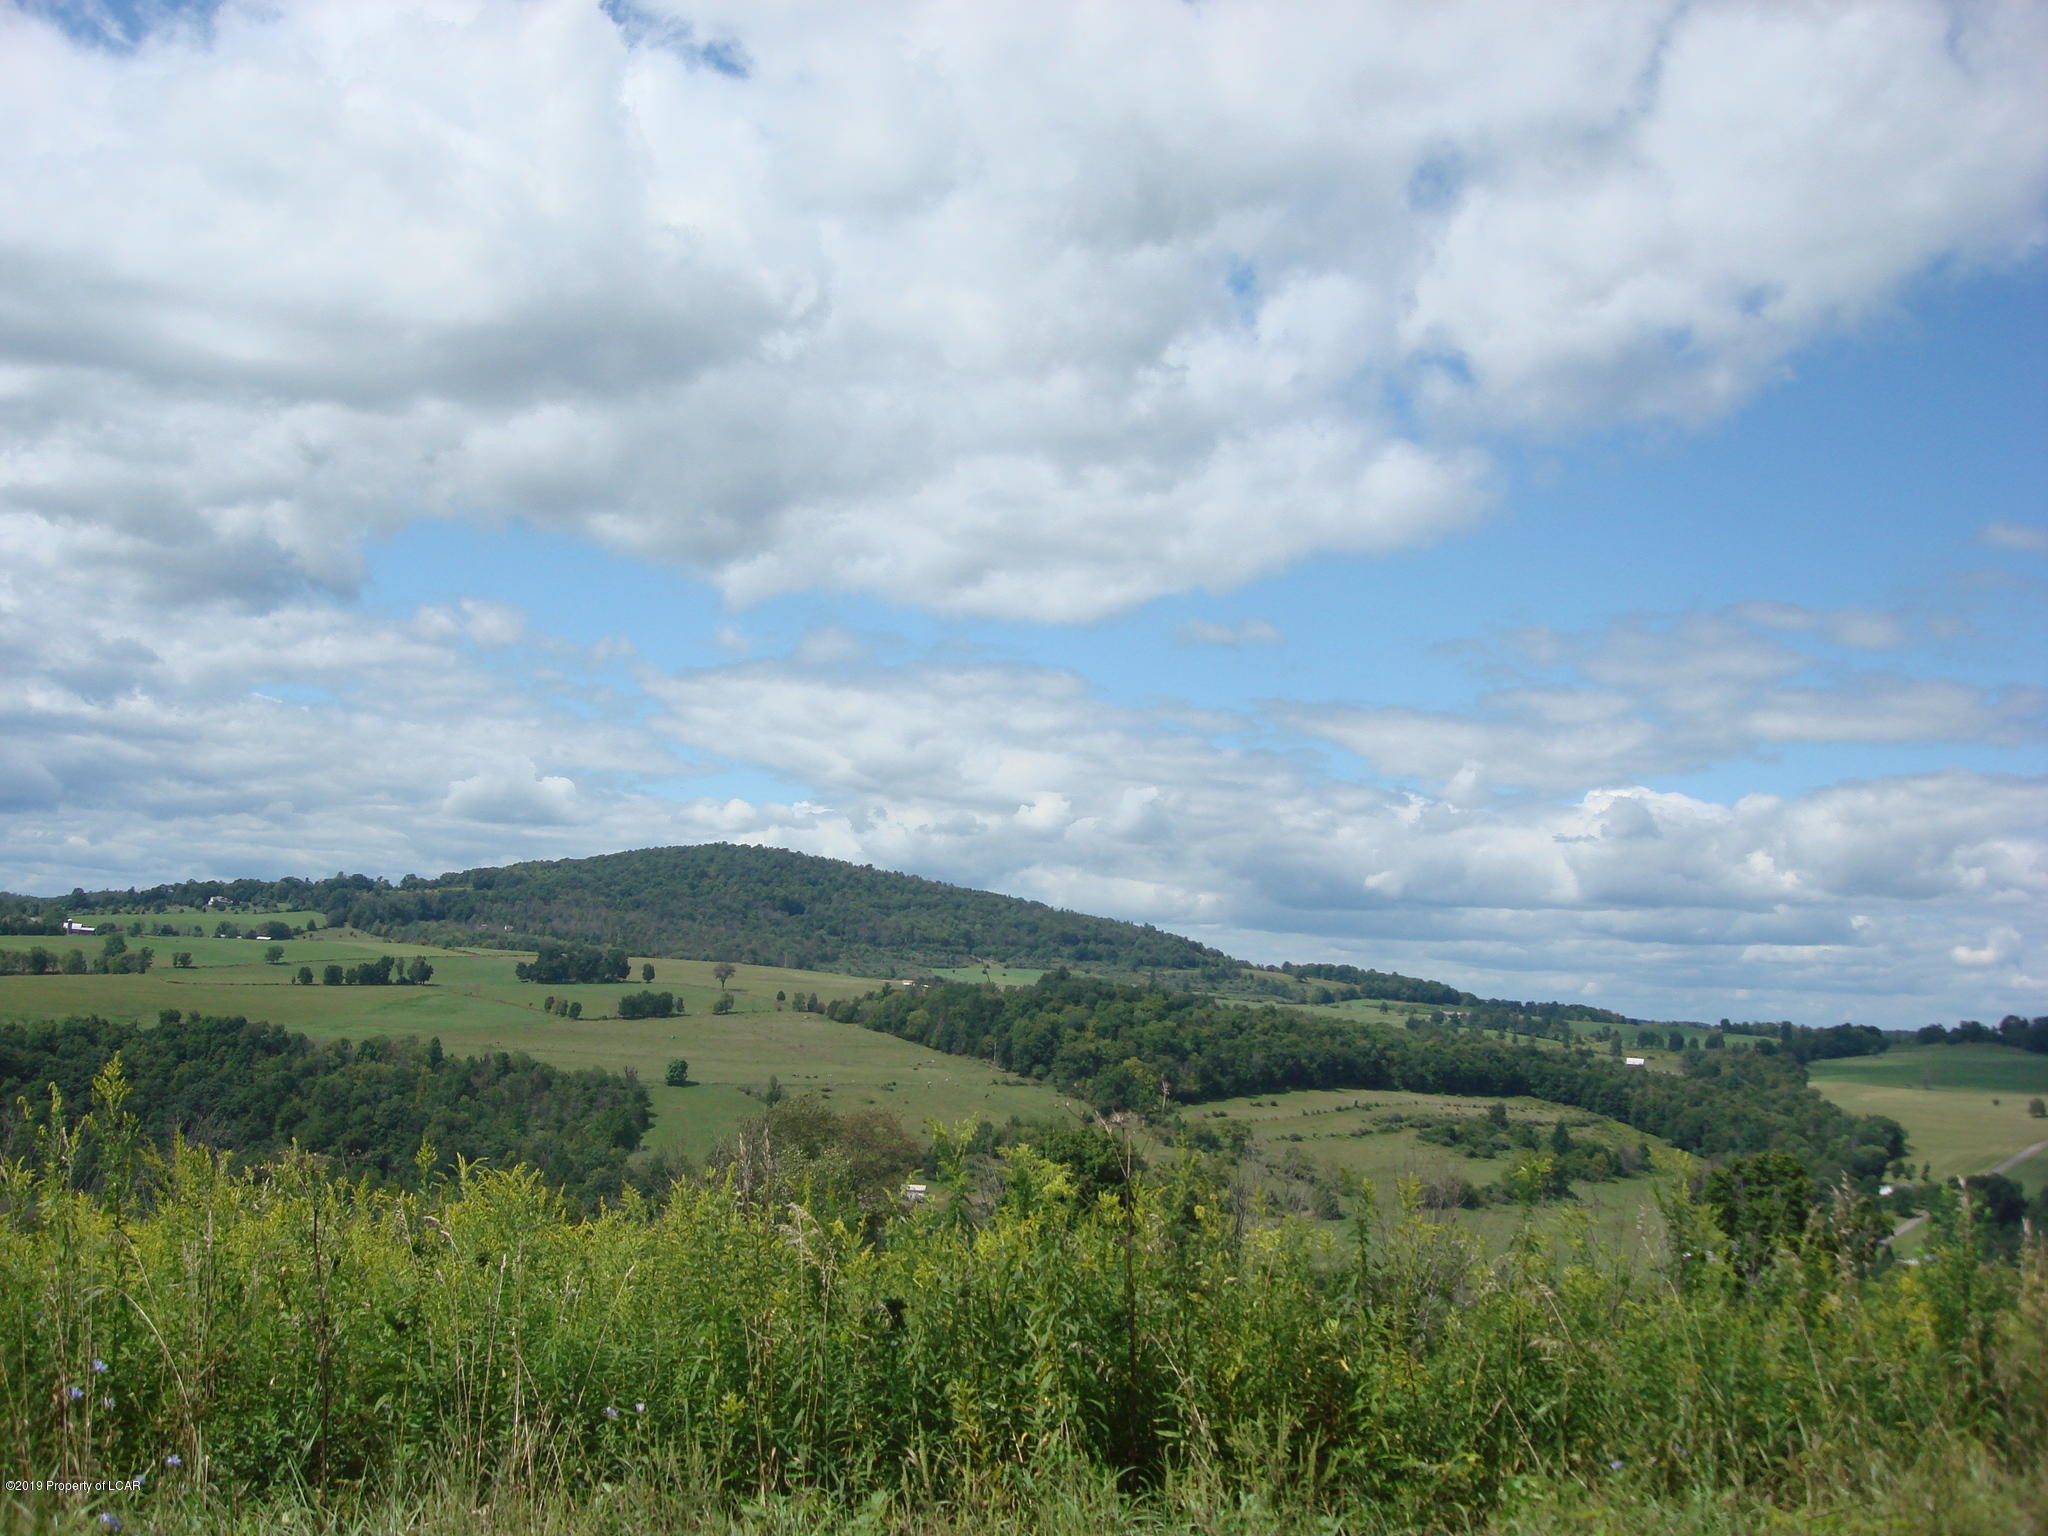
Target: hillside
<point>770,907</point>
<point>718,901</point>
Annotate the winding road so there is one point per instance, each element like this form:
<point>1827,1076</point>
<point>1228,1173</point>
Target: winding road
<point>2005,1167</point>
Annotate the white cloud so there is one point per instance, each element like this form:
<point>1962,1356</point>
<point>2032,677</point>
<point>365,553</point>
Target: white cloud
<point>2022,537</point>
<point>307,738</point>
<point>1647,697</point>
<point>952,305</point>
<point>1233,637</point>
<point>2001,947</point>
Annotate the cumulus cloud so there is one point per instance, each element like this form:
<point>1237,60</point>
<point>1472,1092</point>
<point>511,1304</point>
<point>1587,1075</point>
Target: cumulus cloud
<point>2000,947</point>
<point>1649,696</point>
<point>959,307</point>
<point>308,738</point>
<point>948,304</point>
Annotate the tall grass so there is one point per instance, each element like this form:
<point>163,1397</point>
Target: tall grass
<point>277,1334</point>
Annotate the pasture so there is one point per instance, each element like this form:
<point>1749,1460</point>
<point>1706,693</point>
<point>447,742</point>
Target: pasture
<point>1964,1107</point>
<point>1343,1133</point>
<point>475,1004</point>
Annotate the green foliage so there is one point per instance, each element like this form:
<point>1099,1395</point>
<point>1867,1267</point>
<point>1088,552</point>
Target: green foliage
<point>647,1005</point>
<point>255,1089</point>
<point>555,961</point>
<point>1762,1202</point>
<point>760,906</point>
<point>768,1336</point>
<point>1118,1046</point>
<point>678,1073</point>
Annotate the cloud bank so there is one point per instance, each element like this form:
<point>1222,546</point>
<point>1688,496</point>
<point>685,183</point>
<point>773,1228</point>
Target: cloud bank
<point>1003,312</point>
<point>1035,312</point>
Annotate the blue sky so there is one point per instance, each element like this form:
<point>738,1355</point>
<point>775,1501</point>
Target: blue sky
<point>1557,504</point>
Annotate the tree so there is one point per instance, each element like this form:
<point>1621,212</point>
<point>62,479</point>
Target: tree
<point>1761,1200</point>
<point>273,954</point>
<point>647,971</point>
<point>305,976</point>
<point>418,972</point>
<point>332,976</point>
<point>182,960</point>
<point>724,1003</point>
<point>2037,1108</point>
<point>722,973</point>
<point>678,1075</point>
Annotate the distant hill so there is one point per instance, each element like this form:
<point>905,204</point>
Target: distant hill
<point>765,906</point>
<point>718,901</point>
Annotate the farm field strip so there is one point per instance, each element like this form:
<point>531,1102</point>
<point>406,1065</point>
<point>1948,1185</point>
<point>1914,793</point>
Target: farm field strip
<point>1964,1107</point>
<point>475,1005</point>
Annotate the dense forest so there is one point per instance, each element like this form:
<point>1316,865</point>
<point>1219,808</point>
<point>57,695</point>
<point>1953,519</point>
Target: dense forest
<point>255,1089</point>
<point>1127,1047</point>
<point>718,901</point>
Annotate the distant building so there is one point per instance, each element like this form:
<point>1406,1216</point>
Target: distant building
<point>1636,1061</point>
<point>71,927</point>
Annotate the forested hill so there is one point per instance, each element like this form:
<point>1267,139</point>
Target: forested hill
<point>719,901</point>
<point>1123,1047</point>
<point>256,1089</point>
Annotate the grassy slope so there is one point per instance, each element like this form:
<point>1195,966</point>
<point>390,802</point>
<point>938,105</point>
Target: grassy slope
<point>1622,1214</point>
<point>475,1004</point>
<point>1943,1095</point>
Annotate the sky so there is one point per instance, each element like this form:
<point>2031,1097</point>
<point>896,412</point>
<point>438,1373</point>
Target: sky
<point>1548,498</point>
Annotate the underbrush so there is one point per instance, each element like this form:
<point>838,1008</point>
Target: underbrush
<point>279,1349</point>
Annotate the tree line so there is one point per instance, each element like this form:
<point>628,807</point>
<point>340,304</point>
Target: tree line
<point>256,1089</point>
<point>2023,1034</point>
<point>1135,1048</point>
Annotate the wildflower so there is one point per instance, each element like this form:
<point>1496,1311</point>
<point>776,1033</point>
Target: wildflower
<point>639,1407</point>
<point>174,1460</point>
<point>99,1367</point>
<point>611,1413</point>
<point>1614,1466</point>
<point>109,1521</point>
<point>74,1393</point>
<point>107,1401</point>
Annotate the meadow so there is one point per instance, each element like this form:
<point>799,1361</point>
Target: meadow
<point>474,1005</point>
<point>1963,1106</point>
<point>1345,1134</point>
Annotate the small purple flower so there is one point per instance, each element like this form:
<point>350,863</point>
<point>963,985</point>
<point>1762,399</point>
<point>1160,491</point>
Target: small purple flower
<point>174,1460</point>
<point>1614,1466</point>
<point>74,1393</point>
<point>99,1367</point>
<point>611,1413</point>
<point>109,1521</point>
<point>639,1407</point>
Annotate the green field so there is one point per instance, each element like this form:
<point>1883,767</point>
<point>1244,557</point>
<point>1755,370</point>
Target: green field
<point>1339,1131</point>
<point>1964,1107</point>
<point>475,1004</point>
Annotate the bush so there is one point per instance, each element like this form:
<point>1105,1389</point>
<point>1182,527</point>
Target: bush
<point>678,1075</point>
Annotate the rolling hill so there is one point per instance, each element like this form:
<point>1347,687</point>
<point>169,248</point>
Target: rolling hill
<point>717,901</point>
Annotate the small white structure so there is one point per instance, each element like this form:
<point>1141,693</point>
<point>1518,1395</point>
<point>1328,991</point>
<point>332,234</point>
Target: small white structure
<point>1636,1061</point>
<point>913,1193</point>
<point>71,927</point>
